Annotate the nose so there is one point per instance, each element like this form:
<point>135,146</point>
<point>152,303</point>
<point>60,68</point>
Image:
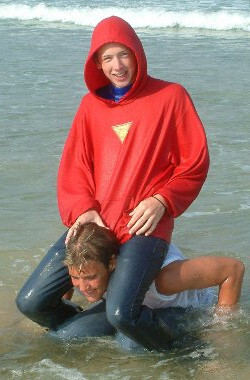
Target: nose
<point>84,285</point>
<point>118,65</point>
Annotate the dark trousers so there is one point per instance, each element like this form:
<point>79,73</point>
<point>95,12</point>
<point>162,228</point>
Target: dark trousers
<point>139,261</point>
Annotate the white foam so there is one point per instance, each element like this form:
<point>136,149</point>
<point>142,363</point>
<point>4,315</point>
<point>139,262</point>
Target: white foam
<point>138,17</point>
<point>208,352</point>
<point>244,207</point>
<point>49,369</point>
<point>191,214</point>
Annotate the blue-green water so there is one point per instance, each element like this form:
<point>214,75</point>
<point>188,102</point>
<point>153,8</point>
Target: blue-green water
<point>41,85</point>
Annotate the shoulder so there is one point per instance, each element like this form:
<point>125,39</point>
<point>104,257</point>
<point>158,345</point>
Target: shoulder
<point>88,97</point>
<point>86,104</point>
<point>171,87</point>
<point>174,95</point>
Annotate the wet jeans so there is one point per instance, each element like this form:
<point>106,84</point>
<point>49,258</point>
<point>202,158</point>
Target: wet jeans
<point>139,260</point>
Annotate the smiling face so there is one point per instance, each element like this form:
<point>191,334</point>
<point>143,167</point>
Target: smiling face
<point>92,280</point>
<point>118,64</point>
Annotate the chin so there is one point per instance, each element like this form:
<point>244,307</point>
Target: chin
<point>94,299</point>
<point>121,85</point>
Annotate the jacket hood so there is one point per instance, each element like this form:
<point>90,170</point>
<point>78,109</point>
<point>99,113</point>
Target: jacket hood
<point>114,29</point>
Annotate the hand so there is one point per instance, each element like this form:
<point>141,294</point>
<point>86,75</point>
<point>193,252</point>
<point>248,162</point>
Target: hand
<point>88,216</point>
<point>146,216</point>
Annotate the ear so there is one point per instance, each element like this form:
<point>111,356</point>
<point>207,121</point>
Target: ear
<point>112,263</point>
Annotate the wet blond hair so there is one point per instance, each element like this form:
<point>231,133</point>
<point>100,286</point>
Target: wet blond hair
<point>91,242</point>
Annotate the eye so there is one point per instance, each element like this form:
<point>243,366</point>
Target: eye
<point>75,277</point>
<point>124,53</point>
<point>92,277</point>
<point>106,58</point>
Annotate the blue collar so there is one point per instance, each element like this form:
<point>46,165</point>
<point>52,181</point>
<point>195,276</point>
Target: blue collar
<point>113,93</point>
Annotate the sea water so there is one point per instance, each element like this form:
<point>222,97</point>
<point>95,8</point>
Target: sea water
<point>203,45</point>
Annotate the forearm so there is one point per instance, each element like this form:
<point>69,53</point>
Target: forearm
<point>189,160</point>
<point>182,189</point>
<point>75,182</point>
<point>203,272</point>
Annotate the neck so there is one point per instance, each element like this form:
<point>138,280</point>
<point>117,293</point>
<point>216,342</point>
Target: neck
<point>118,92</point>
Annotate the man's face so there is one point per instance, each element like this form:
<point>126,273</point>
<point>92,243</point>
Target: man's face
<point>118,64</point>
<point>92,280</point>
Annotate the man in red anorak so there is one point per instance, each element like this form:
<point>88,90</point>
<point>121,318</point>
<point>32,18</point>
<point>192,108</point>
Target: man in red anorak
<point>136,157</point>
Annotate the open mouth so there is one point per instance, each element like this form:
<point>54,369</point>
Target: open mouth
<point>89,293</point>
<point>121,75</point>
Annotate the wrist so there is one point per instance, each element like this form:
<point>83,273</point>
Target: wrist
<point>160,199</point>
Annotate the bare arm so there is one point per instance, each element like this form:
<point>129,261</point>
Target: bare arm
<point>204,272</point>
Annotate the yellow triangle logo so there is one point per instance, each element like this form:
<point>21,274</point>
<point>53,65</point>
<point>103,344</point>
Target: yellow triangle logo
<point>122,130</point>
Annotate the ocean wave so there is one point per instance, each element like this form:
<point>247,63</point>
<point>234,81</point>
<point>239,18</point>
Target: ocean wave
<point>151,18</point>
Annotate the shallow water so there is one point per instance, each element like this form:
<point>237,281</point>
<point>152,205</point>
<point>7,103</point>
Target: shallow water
<point>221,350</point>
<point>41,86</point>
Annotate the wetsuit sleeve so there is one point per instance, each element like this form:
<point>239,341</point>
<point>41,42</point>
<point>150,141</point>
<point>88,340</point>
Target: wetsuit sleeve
<point>75,186</point>
<point>189,157</point>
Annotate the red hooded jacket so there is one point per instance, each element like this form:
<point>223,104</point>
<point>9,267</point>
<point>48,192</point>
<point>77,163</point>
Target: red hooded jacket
<point>117,154</point>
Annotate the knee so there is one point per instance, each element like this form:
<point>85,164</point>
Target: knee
<point>22,304</point>
<point>118,317</point>
<point>27,304</point>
